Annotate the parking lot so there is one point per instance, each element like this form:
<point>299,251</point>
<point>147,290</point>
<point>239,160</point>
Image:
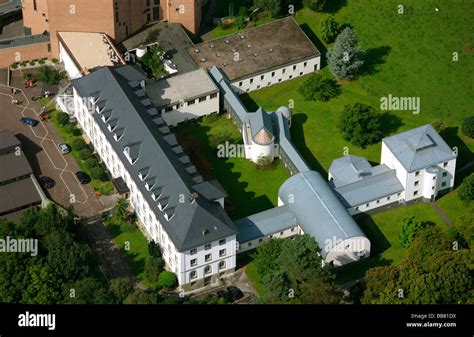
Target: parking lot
<point>40,146</point>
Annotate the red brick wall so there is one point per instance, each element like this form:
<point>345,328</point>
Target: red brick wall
<point>25,53</point>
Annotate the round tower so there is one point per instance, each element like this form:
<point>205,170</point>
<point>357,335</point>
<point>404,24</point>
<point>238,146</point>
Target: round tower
<point>286,112</point>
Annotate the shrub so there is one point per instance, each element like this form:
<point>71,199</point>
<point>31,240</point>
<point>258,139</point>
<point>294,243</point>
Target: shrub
<point>85,154</point>
<point>98,173</point>
<point>317,88</point>
<point>410,227</point>
<point>23,64</point>
<point>121,288</point>
<point>315,5</point>
<point>32,62</point>
<point>78,144</point>
<point>69,128</point>
<point>154,249</point>
<point>330,29</point>
<point>90,163</point>
<point>14,65</point>
<point>243,12</point>
<point>55,60</point>
<point>153,268</point>
<point>167,280</point>
<point>361,124</point>
<point>468,127</point>
<point>62,118</point>
<point>438,125</point>
<point>466,190</point>
<point>26,76</point>
<point>48,75</point>
<point>41,61</point>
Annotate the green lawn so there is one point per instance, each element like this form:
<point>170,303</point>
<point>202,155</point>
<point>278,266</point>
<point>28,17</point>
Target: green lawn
<point>383,229</point>
<point>452,206</point>
<point>223,30</point>
<point>250,190</point>
<point>104,187</point>
<point>137,253</point>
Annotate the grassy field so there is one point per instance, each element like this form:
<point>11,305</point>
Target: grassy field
<point>137,252</point>
<point>104,187</point>
<point>250,190</point>
<point>410,56</point>
<point>452,206</point>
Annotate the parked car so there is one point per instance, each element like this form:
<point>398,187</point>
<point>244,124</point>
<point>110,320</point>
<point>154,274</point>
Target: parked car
<point>29,121</point>
<point>235,293</point>
<point>46,182</point>
<point>63,148</point>
<point>83,177</point>
<point>225,295</point>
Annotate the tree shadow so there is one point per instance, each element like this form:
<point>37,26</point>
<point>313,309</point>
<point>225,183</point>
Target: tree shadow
<point>390,123</point>
<point>298,139</point>
<point>316,41</point>
<point>465,155</point>
<point>374,57</point>
<point>378,241</point>
<point>334,6</point>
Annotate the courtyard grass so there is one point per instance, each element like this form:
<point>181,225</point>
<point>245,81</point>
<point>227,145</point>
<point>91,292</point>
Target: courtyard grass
<point>251,190</point>
<point>104,187</point>
<point>452,206</point>
<point>134,247</point>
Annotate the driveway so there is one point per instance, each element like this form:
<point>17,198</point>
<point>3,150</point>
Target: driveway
<point>40,147</point>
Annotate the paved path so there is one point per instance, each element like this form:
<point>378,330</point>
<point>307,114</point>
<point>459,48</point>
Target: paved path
<point>441,214</point>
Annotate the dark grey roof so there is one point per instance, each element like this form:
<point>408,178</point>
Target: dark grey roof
<point>265,223</point>
<point>10,6</point>
<point>8,140</point>
<point>24,41</point>
<point>192,223</point>
<point>229,94</point>
<point>348,169</point>
<point>211,190</point>
<point>317,209</point>
<point>382,183</point>
<point>18,194</point>
<point>13,166</point>
<point>419,148</point>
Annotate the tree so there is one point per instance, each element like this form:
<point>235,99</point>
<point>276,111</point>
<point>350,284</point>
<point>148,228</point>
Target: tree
<point>141,297</point>
<point>438,125</point>
<point>85,154</point>
<point>317,88</point>
<point>153,267</point>
<point>377,280</point>
<point>345,59</point>
<point>329,29</point>
<point>48,75</point>
<point>410,227</point>
<point>154,249</point>
<point>98,173</point>
<point>243,11</point>
<point>272,7</point>
<point>167,280</point>
<point>315,5</point>
<point>466,190</point>
<point>468,127</point>
<point>266,255</point>
<point>78,144</point>
<point>88,291</point>
<point>296,275</point>
<point>42,287</point>
<point>121,211</point>
<point>90,163</point>
<point>361,124</point>
<point>69,128</point>
<point>464,228</point>
<point>121,288</point>
<point>62,118</point>
<point>264,161</point>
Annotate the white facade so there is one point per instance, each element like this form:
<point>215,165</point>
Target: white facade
<point>191,109</point>
<point>69,65</point>
<point>276,76</point>
<point>252,244</point>
<point>381,202</point>
<point>177,262</point>
<point>423,183</point>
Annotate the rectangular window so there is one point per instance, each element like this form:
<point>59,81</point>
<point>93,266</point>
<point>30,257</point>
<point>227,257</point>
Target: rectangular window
<point>222,252</point>
<point>290,77</point>
<point>240,83</point>
<point>222,242</point>
<point>367,205</point>
<point>208,246</point>
<point>445,174</point>
<point>415,193</point>
<point>294,67</point>
<point>378,201</point>
<point>281,233</point>
<point>208,257</point>
<point>443,184</point>
<point>273,74</point>
<point>193,274</point>
<point>156,13</point>
<point>191,102</point>
<point>262,77</point>
<point>357,208</point>
<point>260,240</point>
<point>207,270</point>
<point>249,244</point>
<point>293,229</point>
<point>202,99</point>
<point>193,262</point>
<point>35,5</point>
<point>193,251</point>
<point>417,183</point>
<point>388,198</point>
<point>222,265</point>
<point>214,95</point>
<point>305,64</point>
<point>283,70</point>
<point>251,80</point>
<point>417,173</point>
<point>445,164</point>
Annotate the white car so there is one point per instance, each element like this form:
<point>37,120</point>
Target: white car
<point>63,148</point>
